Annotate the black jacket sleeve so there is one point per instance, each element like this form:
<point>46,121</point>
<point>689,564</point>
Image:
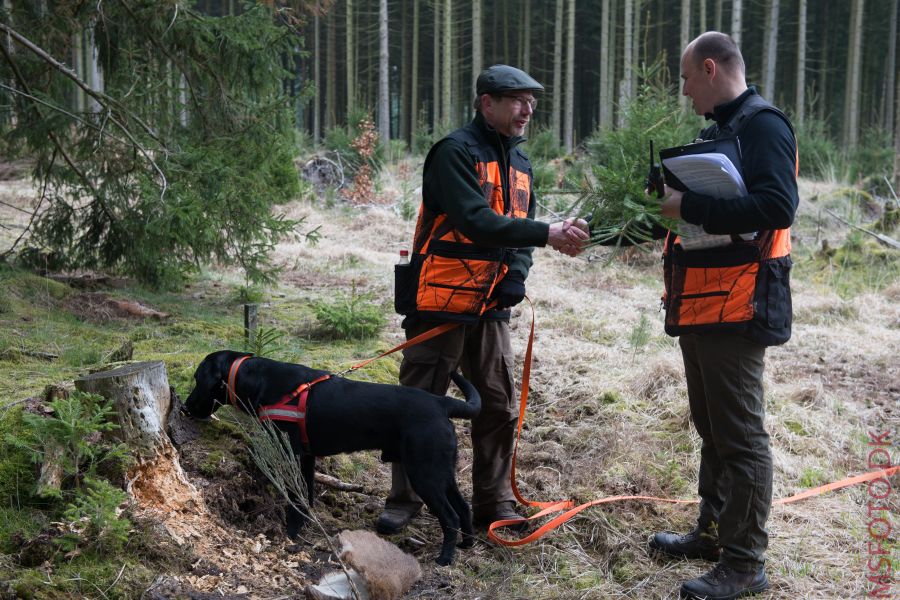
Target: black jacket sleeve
<point>450,185</point>
<point>768,153</point>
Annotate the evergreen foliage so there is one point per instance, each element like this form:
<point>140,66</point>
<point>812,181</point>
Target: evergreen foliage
<point>75,427</point>
<point>614,195</point>
<point>350,317</point>
<point>181,157</point>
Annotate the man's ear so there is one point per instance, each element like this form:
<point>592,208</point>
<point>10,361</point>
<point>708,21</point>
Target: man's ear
<point>709,67</point>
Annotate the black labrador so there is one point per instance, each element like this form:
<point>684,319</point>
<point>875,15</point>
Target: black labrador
<point>408,425</point>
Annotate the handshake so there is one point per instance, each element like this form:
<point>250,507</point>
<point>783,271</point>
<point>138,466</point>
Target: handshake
<point>569,236</point>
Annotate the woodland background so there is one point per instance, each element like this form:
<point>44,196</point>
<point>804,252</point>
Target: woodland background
<point>163,163</point>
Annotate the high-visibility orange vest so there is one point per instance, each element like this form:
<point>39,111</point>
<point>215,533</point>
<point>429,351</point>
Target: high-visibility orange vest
<point>729,287</point>
<point>455,275</point>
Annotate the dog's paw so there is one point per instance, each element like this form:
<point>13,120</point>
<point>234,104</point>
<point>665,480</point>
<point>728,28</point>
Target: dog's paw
<point>443,561</point>
<point>467,542</point>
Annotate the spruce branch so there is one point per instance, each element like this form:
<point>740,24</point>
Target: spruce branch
<point>106,101</point>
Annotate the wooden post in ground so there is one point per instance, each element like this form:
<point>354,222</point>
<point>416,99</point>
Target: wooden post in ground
<point>251,319</point>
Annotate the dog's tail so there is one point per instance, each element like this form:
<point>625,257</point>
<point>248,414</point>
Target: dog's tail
<point>463,410</point>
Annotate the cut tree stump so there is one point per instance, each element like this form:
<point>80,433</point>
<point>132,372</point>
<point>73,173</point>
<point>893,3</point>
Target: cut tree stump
<point>141,397</point>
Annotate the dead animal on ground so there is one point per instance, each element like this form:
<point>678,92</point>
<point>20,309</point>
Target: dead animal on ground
<point>340,415</point>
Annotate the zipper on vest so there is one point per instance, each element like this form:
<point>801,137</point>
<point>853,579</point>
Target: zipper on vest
<point>703,295</point>
<point>469,288</point>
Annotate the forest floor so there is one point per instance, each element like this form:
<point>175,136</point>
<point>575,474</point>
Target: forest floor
<point>607,415</point>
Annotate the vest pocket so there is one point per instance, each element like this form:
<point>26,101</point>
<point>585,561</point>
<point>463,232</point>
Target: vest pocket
<point>405,280</point>
<point>778,293</point>
<point>712,295</point>
<point>455,285</point>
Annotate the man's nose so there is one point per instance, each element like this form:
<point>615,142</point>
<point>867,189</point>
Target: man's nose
<point>526,108</point>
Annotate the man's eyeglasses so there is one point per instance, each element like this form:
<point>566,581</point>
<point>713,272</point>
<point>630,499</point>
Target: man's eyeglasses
<point>522,101</point>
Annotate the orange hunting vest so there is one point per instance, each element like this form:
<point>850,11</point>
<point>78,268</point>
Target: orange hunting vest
<point>455,275</point>
<point>728,287</point>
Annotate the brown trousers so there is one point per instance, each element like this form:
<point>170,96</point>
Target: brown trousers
<point>484,353</point>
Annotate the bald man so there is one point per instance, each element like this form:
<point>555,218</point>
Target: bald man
<point>726,305</point>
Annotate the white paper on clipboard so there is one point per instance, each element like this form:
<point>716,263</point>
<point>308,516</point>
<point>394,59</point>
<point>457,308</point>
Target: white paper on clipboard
<point>711,174</point>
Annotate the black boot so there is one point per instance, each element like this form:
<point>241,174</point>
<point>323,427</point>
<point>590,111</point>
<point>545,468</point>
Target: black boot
<point>699,543</point>
<point>724,583</point>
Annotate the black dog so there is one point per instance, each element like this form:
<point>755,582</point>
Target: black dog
<point>408,425</point>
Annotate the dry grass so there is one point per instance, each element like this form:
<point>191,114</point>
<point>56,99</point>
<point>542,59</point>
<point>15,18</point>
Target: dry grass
<point>607,417</point>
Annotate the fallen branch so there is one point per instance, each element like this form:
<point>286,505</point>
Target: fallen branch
<point>888,241</point>
<point>337,484</point>
<point>48,356</point>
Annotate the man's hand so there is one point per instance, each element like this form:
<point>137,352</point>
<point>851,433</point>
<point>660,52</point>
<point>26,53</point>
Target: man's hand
<point>671,204</point>
<point>510,290</point>
<point>569,236</point>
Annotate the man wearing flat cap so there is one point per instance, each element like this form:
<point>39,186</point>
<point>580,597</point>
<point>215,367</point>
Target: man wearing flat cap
<point>471,255</point>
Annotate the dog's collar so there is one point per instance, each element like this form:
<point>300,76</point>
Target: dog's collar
<point>230,385</point>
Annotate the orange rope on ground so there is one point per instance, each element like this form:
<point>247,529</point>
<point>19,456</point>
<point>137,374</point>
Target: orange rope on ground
<point>569,507</point>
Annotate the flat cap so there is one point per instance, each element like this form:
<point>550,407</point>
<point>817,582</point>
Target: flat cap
<point>501,78</point>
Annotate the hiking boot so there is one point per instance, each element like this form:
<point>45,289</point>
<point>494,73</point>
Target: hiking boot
<point>724,583</point>
<point>502,513</point>
<point>394,518</point>
<point>699,543</point>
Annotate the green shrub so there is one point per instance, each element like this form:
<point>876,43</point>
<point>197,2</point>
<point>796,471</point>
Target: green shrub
<point>75,429</point>
<point>542,146</point>
<point>350,317</point>
<point>820,157</point>
<point>93,519</point>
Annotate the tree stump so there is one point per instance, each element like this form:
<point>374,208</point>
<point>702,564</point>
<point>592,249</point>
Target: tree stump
<point>142,400</point>
<point>140,395</point>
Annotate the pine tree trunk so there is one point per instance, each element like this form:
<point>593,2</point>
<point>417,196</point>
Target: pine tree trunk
<point>477,44</point>
<point>736,21</point>
<point>851,98</point>
<point>526,38</point>
<point>717,18</point>
<point>771,49</point>
<point>329,111</point>
<point>403,114</point>
<point>94,74</point>
<point>800,104</point>
<point>447,92</point>
<point>414,77</point>
<point>436,69</point>
<point>604,114</point>
<point>613,61</point>
<point>569,128</point>
<point>685,39</point>
<point>891,77</point>
<point>350,55</point>
<point>78,66</point>
<point>897,140</point>
<point>317,80</point>
<point>384,100</point>
<point>556,116</point>
<point>627,65</point>
<point>635,47</point>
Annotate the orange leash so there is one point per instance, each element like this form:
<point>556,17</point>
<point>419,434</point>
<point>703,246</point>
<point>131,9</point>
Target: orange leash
<point>568,507</point>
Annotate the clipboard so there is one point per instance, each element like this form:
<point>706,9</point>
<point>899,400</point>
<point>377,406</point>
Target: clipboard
<point>730,147</point>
